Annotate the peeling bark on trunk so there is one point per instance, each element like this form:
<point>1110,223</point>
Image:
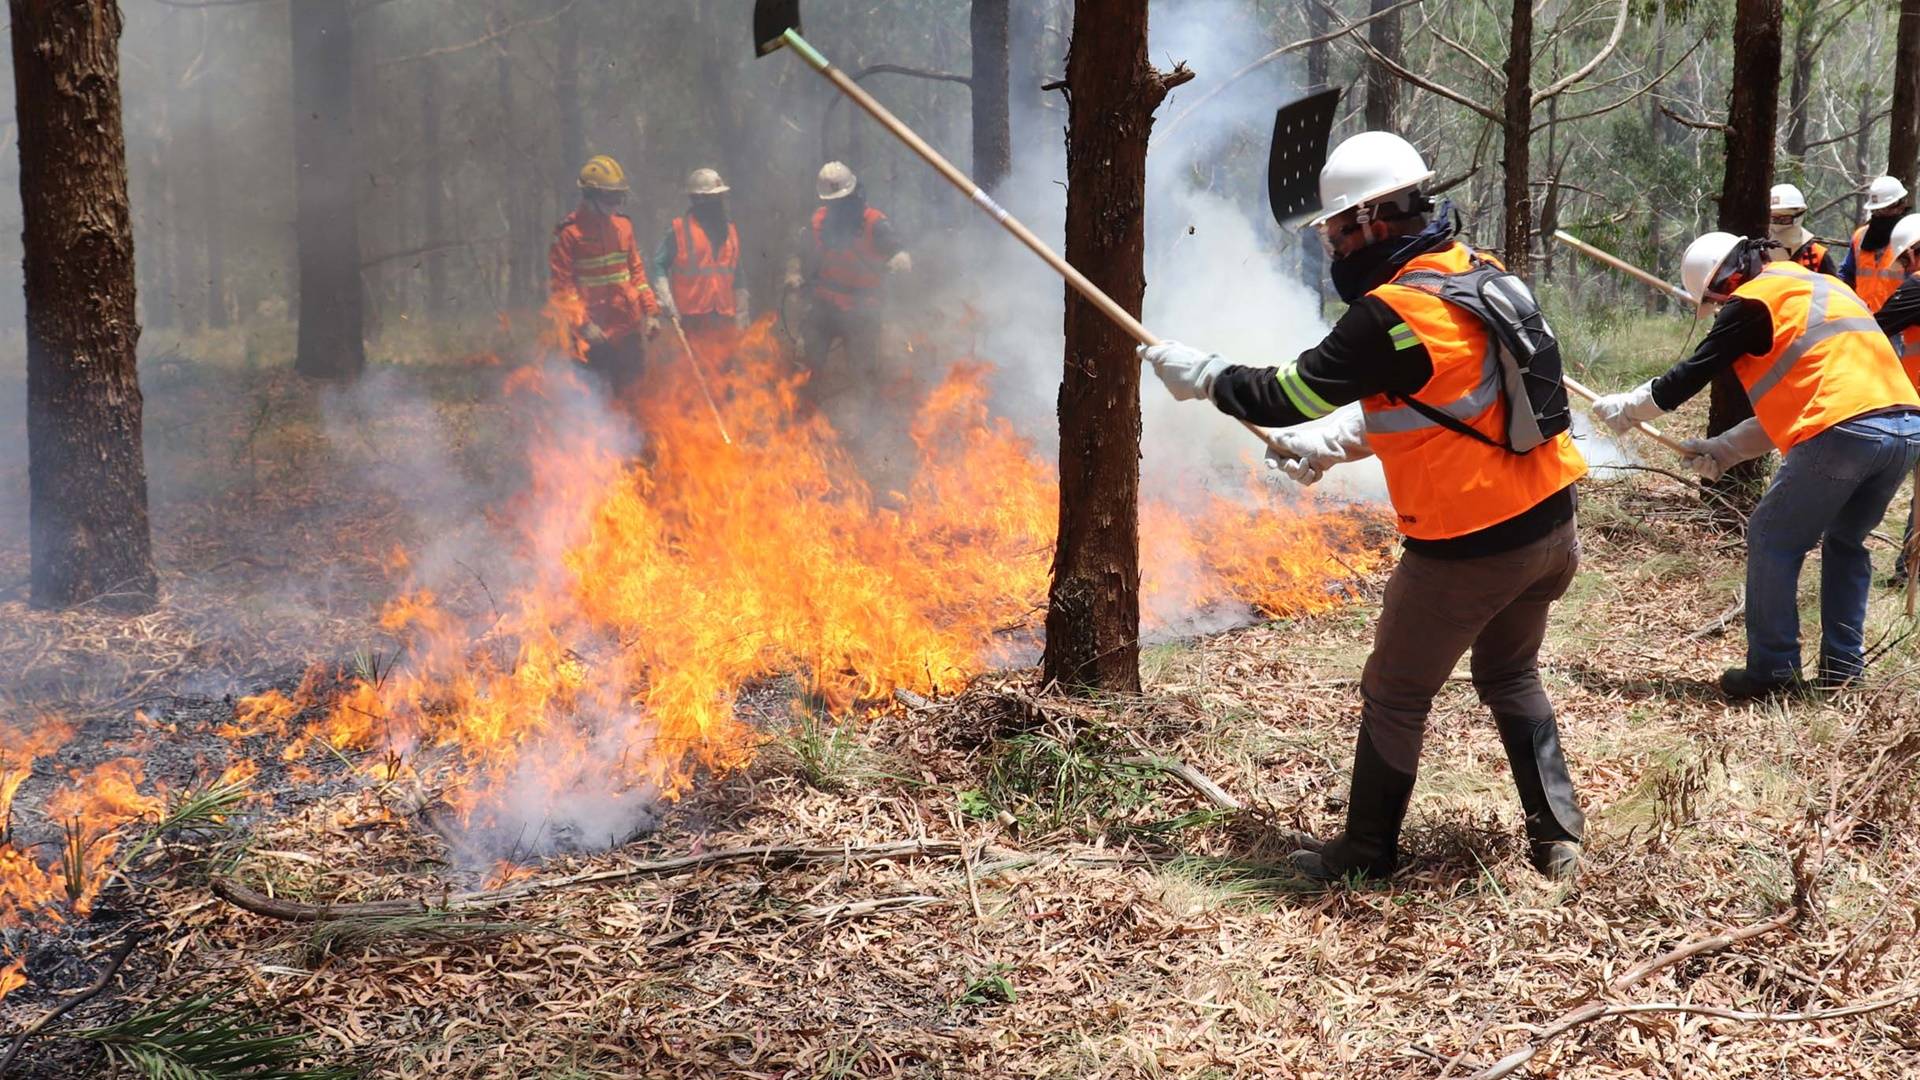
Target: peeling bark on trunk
<point>990,83</point>
<point>326,180</point>
<point>1903,141</point>
<point>1753,109</point>
<point>1093,617</point>
<point>1517,138</point>
<point>87,478</point>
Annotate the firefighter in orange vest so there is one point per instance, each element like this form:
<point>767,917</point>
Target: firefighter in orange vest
<point>1787,208</point>
<point>1489,533</point>
<point>597,277</point>
<point>1828,392</point>
<point>700,260</point>
<point>1899,318</point>
<point>847,250</point>
<point>1869,267</point>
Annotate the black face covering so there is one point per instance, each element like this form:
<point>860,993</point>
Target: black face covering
<point>1879,231</point>
<point>711,212</point>
<point>1374,265</point>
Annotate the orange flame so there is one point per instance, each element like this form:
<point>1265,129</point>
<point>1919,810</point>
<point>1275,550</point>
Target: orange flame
<point>12,976</point>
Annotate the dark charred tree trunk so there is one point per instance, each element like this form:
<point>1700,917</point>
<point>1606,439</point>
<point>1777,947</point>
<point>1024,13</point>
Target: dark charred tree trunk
<point>1093,617</point>
<point>1517,136</point>
<point>433,188</point>
<point>326,179</point>
<point>1313,257</point>
<point>86,473</point>
<point>213,213</point>
<point>1800,90</point>
<point>991,84</point>
<point>1903,141</point>
<point>1753,109</point>
<point>1383,86</point>
<point>566,92</point>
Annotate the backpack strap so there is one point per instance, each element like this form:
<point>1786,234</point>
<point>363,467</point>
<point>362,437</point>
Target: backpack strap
<point>1431,282</point>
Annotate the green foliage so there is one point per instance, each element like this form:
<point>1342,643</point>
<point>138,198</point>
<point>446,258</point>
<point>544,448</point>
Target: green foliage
<point>194,1041</point>
<point>337,937</point>
<point>991,987</point>
<point>822,751</point>
<point>1070,779</point>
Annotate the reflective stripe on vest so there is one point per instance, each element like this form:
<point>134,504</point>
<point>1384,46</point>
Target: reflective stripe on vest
<point>848,277</point>
<point>1444,484</point>
<point>702,280</point>
<point>596,259</point>
<point>1875,277</point>
<point>1829,362</point>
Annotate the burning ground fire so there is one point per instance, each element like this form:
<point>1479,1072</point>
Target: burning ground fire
<point>660,584</point>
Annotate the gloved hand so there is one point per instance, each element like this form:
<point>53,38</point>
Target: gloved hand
<point>900,263</point>
<point>793,280</point>
<point>1319,446</point>
<point>653,326</point>
<point>1709,459</point>
<point>592,332</point>
<point>1187,372</point>
<point>663,292</point>
<point>741,317</point>
<point>1621,411</point>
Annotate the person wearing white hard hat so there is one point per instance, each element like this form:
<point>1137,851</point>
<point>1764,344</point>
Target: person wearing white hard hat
<point>1899,318</point>
<point>1490,542</point>
<point>700,260</point>
<point>847,250</point>
<point>1787,208</point>
<point>1869,267</point>
<point>1827,391</point>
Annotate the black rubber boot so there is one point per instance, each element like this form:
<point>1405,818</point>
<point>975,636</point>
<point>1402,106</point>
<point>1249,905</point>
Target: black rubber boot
<point>1376,804</point>
<point>1555,824</point>
<point>1739,684</point>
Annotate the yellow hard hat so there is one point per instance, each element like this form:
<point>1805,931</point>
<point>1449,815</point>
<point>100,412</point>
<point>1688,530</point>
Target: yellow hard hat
<point>602,173</point>
<point>706,182</point>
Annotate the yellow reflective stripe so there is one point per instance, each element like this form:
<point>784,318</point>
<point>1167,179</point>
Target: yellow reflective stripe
<point>595,262</point>
<point>1311,405</point>
<point>616,278</point>
<point>1403,337</point>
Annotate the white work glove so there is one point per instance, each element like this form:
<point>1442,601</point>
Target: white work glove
<point>900,263</point>
<point>1305,453</point>
<point>663,292</point>
<point>1188,372</point>
<point>592,332</point>
<point>741,317</point>
<point>1621,411</point>
<point>1709,459</point>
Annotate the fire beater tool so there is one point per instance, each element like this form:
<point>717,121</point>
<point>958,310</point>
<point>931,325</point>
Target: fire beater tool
<point>700,377</point>
<point>1666,288</point>
<point>776,25</point>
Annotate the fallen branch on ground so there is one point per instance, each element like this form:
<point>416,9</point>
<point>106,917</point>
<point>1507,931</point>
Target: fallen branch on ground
<point>99,986</point>
<point>271,907</point>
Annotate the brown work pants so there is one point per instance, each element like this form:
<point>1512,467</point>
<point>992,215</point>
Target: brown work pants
<point>1435,611</point>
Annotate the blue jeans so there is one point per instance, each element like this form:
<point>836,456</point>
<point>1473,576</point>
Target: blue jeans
<point>1832,491</point>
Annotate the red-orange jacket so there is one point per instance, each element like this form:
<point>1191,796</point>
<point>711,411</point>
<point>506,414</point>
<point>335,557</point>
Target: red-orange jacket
<point>594,259</point>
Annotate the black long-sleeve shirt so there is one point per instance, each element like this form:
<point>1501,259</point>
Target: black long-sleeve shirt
<point>1370,351</point>
<point>1902,309</point>
<point>1743,327</point>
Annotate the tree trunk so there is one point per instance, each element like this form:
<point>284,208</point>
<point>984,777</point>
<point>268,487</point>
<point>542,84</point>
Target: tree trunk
<point>1517,132</point>
<point>213,213</point>
<point>433,188</point>
<point>1801,89</point>
<point>1383,86</point>
<point>566,93</point>
<point>1093,617</point>
<point>86,474</point>
<point>1753,109</point>
<point>326,181</point>
<point>525,284</point>
<point>1862,154</point>
<point>991,86</point>
<point>1903,141</point>
<point>1313,257</point>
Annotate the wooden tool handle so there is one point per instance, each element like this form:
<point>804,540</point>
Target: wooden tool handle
<point>1678,294</point>
<point>1645,428</point>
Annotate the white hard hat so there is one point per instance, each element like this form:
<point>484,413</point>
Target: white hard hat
<point>1704,260</point>
<point>1364,168</point>
<point>706,182</point>
<point>1906,233</point>
<point>1786,197</point>
<point>1884,192</point>
<point>836,181</point>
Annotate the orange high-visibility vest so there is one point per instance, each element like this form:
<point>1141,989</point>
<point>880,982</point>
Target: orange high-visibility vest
<point>1444,484</point>
<point>849,277</point>
<point>1906,345</point>
<point>1810,254</point>
<point>1829,363</point>
<point>1875,276</point>
<point>702,279</point>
